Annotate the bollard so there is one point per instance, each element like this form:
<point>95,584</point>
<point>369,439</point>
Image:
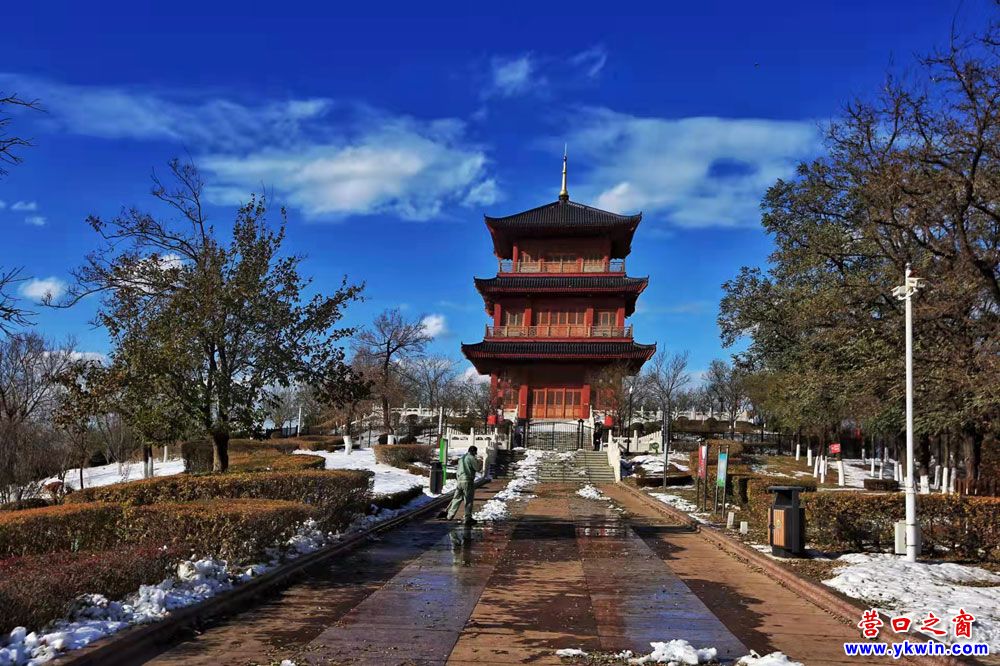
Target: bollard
<point>925,484</point>
<point>744,527</point>
<point>730,520</point>
<point>840,479</point>
<point>872,472</point>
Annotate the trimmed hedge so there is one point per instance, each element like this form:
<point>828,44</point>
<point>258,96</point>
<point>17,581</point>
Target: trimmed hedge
<point>237,530</point>
<point>197,454</point>
<point>37,589</point>
<point>963,526</point>
<point>882,485</point>
<point>268,462</point>
<point>27,503</point>
<point>339,495</point>
<point>401,455</point>
<point>398,499</point>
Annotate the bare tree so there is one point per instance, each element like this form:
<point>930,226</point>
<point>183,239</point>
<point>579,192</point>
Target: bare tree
<point>11,315</point>
<point>30,371</point>
<point>726,385</point>
<point>389,343</point>
<point>10,143</point>
<point>432,377</point>
<point>667,375</point>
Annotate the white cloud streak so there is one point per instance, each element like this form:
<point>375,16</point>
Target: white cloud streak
<point>45,288</point>
<point>24,206</point>
<point>35,220</point>
<point>695,172</point>
<point>513,76</point>
<point>329,158</point>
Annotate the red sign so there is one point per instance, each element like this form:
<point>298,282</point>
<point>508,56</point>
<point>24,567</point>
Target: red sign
<point>703,461</point>
<point>491,419</point>
<point>835,447</point>
<point>608,421</point>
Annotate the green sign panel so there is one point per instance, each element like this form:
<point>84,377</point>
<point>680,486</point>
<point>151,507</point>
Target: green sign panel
<point>720,479</point>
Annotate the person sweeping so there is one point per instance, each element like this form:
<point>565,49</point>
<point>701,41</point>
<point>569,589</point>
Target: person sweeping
<point>468,465</point>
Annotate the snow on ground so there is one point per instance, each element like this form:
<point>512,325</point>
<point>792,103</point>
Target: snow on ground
<point>678,652</point>
<point>590,492</point>
<point>897,587</point>
<point>525,478</point>
<point>105,475</point>
<point>196,580</point>
<point>653,464</point>
<point>681,504</point>
<point>388,479</point>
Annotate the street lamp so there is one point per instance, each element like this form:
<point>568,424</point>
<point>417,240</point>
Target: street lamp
<point>904,293</point>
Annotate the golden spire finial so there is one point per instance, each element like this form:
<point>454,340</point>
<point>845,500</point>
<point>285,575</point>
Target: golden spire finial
<point>564,193</point>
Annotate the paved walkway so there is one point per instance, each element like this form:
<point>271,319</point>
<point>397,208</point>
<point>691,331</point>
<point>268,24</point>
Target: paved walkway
<point>564,572</point>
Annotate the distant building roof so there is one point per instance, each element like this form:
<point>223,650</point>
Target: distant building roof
<point>563,218</point>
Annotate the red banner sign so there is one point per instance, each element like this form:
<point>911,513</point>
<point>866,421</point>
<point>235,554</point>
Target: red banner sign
<point>703,461</point>
<point>835,447</point>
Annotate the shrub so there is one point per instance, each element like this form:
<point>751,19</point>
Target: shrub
<point>401,455</point>
<point>759,500</point>
<point>267,461</point>
<point>197,455</point>
<point>26,503</point>
<point>882,485</point>
<point>339,495</point>
<point>37,589</point>
<point>236,530</point>
<point>321,442</point>
<point>397,499</point>
<point>419,470</point>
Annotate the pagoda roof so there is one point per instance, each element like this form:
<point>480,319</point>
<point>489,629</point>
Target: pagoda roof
<point>563,218</point>
<point>598,283</point>
<point>485,355</point>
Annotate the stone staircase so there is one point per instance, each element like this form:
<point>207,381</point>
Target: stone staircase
<point>579,467</point>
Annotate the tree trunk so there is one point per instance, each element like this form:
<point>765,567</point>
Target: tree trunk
<point>220,451</point>
<point>147,460</point>
<point>971,449</point>
<point>923,455</point>
<point>82,463</point>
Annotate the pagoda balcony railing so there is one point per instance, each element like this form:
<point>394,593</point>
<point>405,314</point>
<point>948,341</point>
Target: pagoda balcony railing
<point>559,331</point>
<point>562,266</point>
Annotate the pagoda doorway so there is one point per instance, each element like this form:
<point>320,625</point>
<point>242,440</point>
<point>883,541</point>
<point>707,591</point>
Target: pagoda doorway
<point>556,403</point>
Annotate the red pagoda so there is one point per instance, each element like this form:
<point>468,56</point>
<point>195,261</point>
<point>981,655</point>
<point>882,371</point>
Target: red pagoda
<point>558,306</point>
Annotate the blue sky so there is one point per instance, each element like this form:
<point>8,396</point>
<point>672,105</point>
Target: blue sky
<point>389,134</point>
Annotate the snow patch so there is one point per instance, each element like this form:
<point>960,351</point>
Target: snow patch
<point>590,492</point>
<point>571,652</point>
<point>771,659</point>
<point>676,652</point>
<point>525,478</point>
<point>912,589</point>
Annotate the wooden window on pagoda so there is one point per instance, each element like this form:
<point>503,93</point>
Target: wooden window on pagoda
<point>561,323</point>
<point>593,263</point>
<point>513,323</point>
<point>604,323</point>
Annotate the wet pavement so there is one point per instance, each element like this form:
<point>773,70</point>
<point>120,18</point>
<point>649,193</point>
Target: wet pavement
<point>563,572</point>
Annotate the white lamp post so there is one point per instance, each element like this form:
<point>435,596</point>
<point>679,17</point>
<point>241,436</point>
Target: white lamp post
<point>904,293</point>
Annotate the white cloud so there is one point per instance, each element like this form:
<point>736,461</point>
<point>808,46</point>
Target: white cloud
<point>696,172</point>
<point>329,158</point>
<point>434,325</point>
<point>470,373</point>
<point>35,220</point>
<point>591,61</point>
<point>42,289</point>
<point>24,205</point>
<point>512,76</point>
<point>3,204</point>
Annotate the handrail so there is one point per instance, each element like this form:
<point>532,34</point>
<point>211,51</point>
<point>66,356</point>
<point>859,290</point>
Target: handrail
<point>559,331</point>
<point>562,266</point>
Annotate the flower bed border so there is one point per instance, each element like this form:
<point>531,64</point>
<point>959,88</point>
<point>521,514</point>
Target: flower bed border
<point>131,645</point>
